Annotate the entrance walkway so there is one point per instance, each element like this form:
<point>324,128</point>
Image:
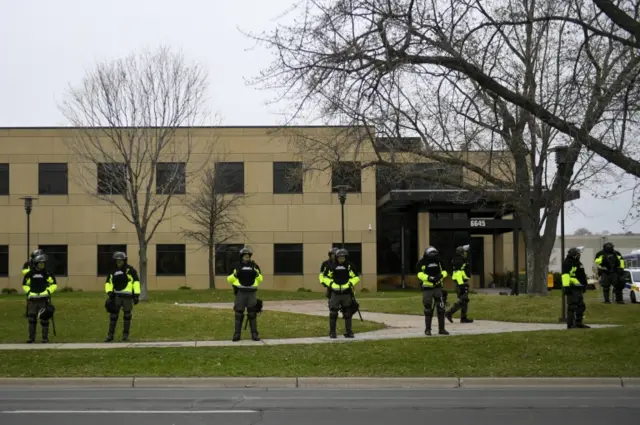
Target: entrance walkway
<point>398,326</point>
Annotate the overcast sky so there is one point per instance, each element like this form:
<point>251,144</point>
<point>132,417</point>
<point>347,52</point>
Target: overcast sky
<point>45,45</point>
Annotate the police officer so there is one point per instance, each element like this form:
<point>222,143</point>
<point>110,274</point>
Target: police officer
<point>29,264</point>
<point>611,270</point>
<point>340,278</point>
<point>574,285</point>
<point>431,274</point>
<point>245,278</point>
<point>460,278</point>
<point>326,264</point>
<point>123,288</point>
<point>39,284</point>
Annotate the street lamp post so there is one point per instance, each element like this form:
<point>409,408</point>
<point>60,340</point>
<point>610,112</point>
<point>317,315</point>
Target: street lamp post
<point>28,207</point>
<point>561,161</point>
<point>342,196</point>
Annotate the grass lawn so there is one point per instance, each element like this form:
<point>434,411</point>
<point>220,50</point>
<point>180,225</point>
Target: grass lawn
<point>81,317</point>
<point>523,308</point>
<point>547,353</point>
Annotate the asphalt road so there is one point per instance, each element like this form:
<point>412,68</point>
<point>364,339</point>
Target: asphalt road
<point>139,406</point>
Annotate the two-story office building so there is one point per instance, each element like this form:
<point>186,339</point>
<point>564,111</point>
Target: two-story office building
<point>290,227</point>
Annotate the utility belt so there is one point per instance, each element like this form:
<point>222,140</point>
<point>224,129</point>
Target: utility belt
<point>241,288</point>
<point>45,297</point>
<point>434,286</point>
<point>123,294</point>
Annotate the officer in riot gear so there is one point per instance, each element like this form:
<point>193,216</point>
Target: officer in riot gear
<point>460,278</point>
<point>431,274</point>
<point>29,264</point>
<point>340,278</point>
<point>245,278</point>
<point>324,267</point>
<point>39,284</point>
<point>611,271</point>
<point>574,285</point>
<point>123,291</point>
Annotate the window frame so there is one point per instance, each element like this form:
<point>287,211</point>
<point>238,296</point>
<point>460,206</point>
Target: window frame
<point>63,167</point>
<point>122,190</point>
<point>280,184</point>
<point>339,172</point>
<point>110,253</point>
<point>221,173</point>
<point>47,249</point>
<point>227,262</point>
<point>163,168</point>
<point>5,168</point>
<point>182,253</point>
<point>277,252</point>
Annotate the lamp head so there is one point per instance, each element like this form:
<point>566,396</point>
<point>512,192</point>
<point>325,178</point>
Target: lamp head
<point>342,192</point>
<point>561,154</point>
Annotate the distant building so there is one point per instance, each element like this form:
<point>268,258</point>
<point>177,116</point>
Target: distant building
<point>592,244</point>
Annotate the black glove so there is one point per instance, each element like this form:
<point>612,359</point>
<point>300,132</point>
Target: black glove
<point>566,290</point>
<point>136,299</point>
<point>432,279</point>
<point>111,295</point>
<point>464,288</point>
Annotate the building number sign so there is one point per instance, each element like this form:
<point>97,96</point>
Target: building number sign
<point>478,223</point>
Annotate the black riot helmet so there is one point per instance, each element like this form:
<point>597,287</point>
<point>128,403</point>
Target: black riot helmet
<point>40,259</point>
<point>462,250</point>
<point>35,253</point>
<point>430,252</point>
<point>120,257</point>
<point>341,255</point>
<point>245,251</point>
<point>608,247</point>
<point>332,252</point>
<point>575,252</point>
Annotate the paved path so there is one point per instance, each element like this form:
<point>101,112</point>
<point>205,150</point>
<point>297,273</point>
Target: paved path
<point>354,406</point>
<point>398,326</point>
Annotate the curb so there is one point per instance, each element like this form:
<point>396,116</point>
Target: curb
<point>321,382</point>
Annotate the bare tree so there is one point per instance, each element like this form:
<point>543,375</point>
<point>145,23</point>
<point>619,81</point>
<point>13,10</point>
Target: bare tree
<point>214,213</point>
<point>582,231</point>
<point>404,68</point>
<point>128,117</point>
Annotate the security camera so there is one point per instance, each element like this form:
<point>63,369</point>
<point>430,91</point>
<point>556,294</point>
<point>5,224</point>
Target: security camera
<point>113,227</point>
<point>369,227</point>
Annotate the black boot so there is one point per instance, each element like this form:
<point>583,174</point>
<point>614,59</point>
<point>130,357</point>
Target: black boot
<point>32,332</point>
<point>45,332</point>
<point>428,318</point>
<point>441,329</point>
<point>333,321</point>
<point>582,325</point>
<point>606,295</point>
<point>465,319</point>
<point>571,322</point>
<point>348,323</point>
<point>125,330</point>
<point>253,324</point>
<point>237,327</point>
<point>113,321</point>
<point>449,316</point>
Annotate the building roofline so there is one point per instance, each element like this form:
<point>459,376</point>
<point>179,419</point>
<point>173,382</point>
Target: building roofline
<point>186,127</point>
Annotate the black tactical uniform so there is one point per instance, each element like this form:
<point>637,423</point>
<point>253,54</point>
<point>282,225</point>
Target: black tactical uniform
<point>123,288</point>
<point>39,284</point>
<point>324,267</point>
<point>574,284</point>
<point>460,278</point>
<point>245,278</point>
<point>611,270</point>
<point>431,274</point>
<point>340,278</point>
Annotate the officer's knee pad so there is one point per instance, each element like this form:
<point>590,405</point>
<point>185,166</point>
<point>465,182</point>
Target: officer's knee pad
<point>428,311</point>
<point>239,314</point>
<point>333,314</point>
<point>44,323</point>
<point>252,315</point>
<point>127,315</point>
<point>113,317</point>
<point>347,314</point>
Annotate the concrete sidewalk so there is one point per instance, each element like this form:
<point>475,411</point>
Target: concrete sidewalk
<point>397,326</point>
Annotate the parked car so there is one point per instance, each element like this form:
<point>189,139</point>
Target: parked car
<point>632,284</point>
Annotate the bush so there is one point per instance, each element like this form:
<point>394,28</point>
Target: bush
<point>304,290</point>
<point>503,280</point>
<point>184,288</point>
<point>67,289</point>
<point>9,291</point>
<point>365,290</point>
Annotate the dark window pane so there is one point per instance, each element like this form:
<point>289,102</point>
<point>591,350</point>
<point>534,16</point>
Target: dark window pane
<point>171,260</point>
<point>57,262</point>
<point>389,246</point>
<point>229,177</point>
<point>112,178</point>
<point>288,258</point>
<point>287,177</point>
<point>105,260</point>
<point>52,179</point>
<point>226,256</point>
<point>4,260</point>
<point>346,173</point>
<point>4,179</point>
<point>170,178</point>
<point>355,254</point>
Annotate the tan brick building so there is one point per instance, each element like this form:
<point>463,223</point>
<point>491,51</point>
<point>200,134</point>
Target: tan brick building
<point>290,229</point>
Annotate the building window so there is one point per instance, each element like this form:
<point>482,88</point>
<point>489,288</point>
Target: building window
<point>287,177</point>
<point>58,257</point>
<point>171,178</point>
<point>4,179</point>
<point>288,258</point>
<point>171,260</point>
<point>105,257</point>
<point>112,178</point>
<point>226,256</point>
<point>4,260</point>
<point>52,179</point>
<point>355,253</point>
<point>347,173</point>
<point>229,177</point>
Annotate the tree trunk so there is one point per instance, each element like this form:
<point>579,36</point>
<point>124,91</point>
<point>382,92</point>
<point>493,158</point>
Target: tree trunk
<point>142,253</point>
<point>538,253</point>
<point>212,277</point>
